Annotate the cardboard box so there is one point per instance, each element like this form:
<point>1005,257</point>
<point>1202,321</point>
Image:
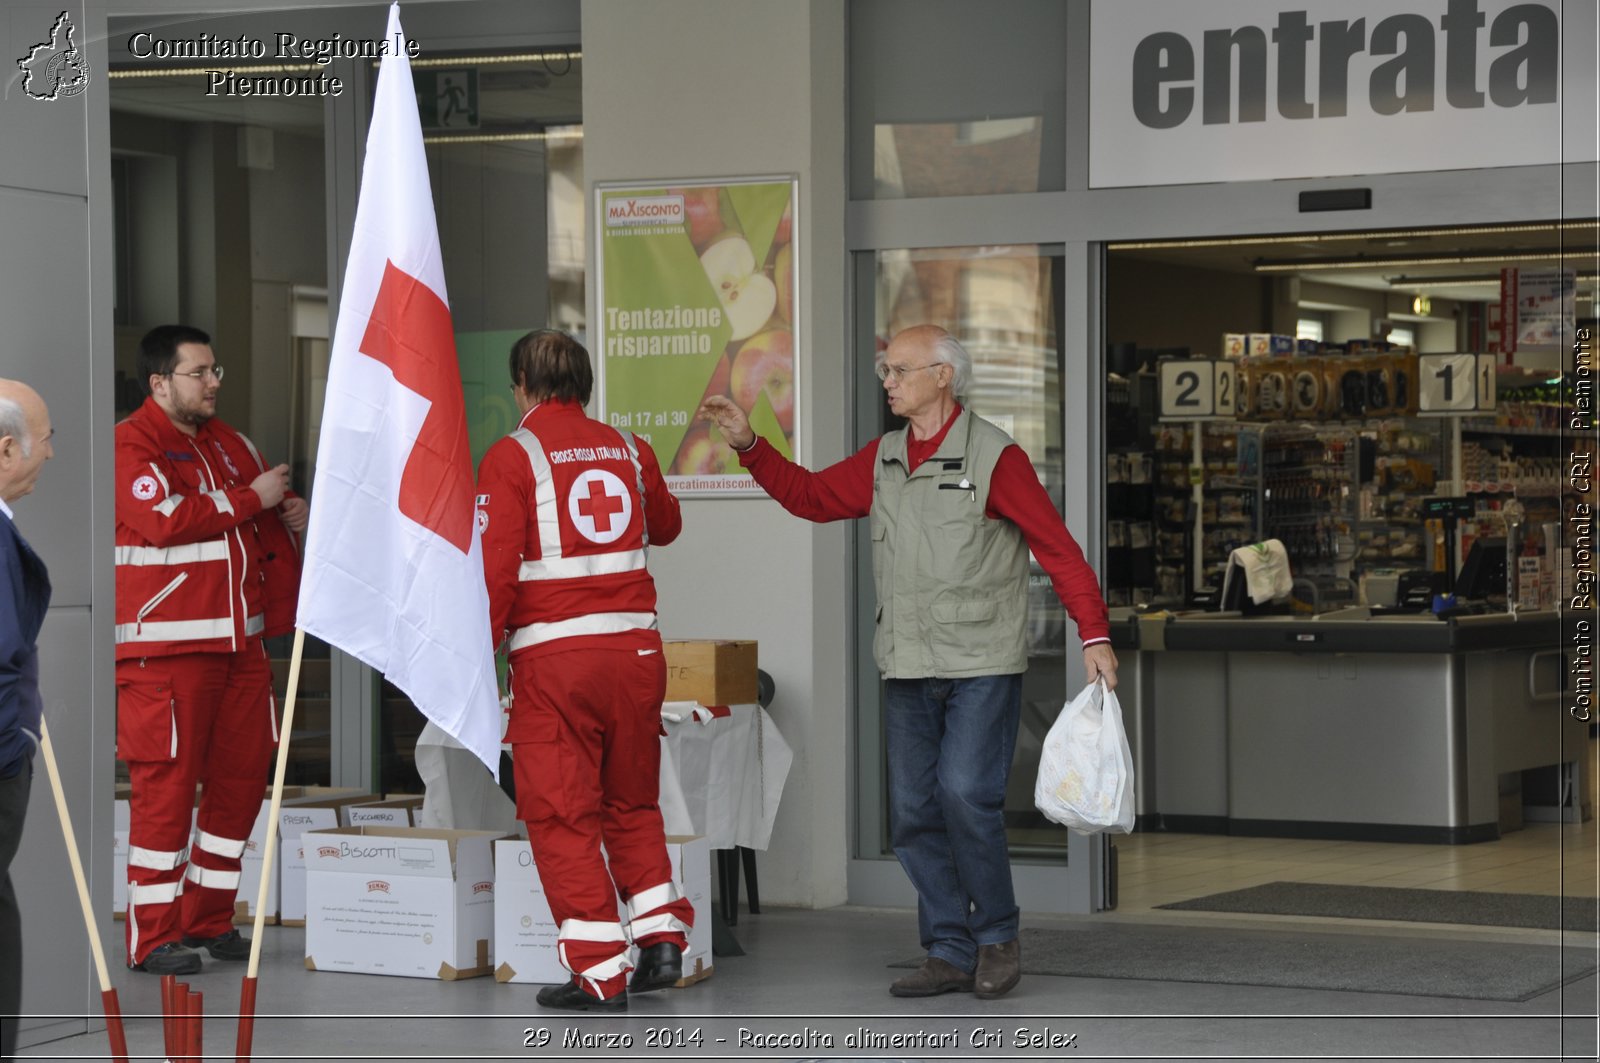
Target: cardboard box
<point>711,671</point>
<point>249,891</point>
<point>400,901</point>
<point>318,811</point>
<point>391,812</point>
<point>525,932</point>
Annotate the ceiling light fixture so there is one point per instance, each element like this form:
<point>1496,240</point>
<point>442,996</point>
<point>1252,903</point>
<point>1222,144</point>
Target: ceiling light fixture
<point>1381,234</point>
<point>421,63</point>
<point>1383,261</point>
<point>566,133</point>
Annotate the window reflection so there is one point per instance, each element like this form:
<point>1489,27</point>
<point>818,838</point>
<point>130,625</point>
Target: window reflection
<point>1003,303</point>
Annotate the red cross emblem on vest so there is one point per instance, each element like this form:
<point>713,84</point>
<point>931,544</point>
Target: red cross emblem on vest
<point>599,506</point>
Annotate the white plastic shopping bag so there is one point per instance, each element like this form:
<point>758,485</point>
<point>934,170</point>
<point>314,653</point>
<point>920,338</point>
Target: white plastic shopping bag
<point>1086,770</point>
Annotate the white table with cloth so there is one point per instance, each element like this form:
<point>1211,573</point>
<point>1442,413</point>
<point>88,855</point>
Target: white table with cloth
<point>722,773</point>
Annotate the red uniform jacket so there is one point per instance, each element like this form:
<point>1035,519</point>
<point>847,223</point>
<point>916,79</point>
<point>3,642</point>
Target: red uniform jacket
<point>200,565</point>
<point>568,507</point>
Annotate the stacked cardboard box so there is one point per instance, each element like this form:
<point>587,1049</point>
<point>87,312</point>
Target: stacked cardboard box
<point>525,932</point>
<point>711,671</point>
<point>400,900</point>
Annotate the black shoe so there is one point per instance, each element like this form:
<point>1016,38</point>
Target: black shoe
<point>232,946</point>
<point>169,958</point>
<point>573,997</point>
<point>660,966</point>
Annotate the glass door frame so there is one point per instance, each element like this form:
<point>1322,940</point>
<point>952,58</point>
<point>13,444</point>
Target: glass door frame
<point>1080,884</point>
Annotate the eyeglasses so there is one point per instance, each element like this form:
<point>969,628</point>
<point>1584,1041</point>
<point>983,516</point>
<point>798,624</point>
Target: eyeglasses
<point>899,372</point>
<point>213,371</point>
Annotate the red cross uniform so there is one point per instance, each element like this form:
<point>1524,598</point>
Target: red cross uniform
<point>203,574</point>
<point>568,508</point>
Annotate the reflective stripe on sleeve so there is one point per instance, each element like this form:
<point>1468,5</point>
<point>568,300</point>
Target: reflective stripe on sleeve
<point>221,501</point>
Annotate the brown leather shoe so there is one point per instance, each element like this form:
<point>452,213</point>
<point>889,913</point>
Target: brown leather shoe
<point>935,976</point>
<point>999,969</point>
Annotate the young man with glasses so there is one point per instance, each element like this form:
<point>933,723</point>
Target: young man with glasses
<point>955,508</point>
<point>206,568</point>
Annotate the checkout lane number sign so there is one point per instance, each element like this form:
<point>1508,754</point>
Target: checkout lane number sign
<point>1455,384</point>
<point>1197,389</point>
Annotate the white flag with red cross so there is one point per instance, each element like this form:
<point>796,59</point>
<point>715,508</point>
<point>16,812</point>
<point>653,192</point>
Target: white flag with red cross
<point>393,565</point>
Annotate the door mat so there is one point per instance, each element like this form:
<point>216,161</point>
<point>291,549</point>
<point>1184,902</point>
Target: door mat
<point>1526,911</point>
<point>1286,959</point>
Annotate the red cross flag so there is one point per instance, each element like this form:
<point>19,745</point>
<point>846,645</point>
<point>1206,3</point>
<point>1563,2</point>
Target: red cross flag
<point>393,566</point>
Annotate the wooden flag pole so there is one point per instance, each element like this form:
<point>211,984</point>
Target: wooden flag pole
<point>247,991</point>
<point>108,995</point>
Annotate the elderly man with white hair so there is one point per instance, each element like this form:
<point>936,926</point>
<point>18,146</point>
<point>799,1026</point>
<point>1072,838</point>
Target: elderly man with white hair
<point>955,508</point>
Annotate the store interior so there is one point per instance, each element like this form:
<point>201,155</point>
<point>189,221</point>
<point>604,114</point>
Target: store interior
<point>1348,488</point>
<point>1350,504</point>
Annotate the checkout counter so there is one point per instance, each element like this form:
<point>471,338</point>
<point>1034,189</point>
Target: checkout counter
<point>1345,725</point>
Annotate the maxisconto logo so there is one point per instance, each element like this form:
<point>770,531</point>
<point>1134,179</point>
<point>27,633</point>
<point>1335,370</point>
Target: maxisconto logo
<point>644,210</point>
<point>1306,67</point>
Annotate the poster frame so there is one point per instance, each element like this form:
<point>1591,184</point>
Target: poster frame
<point>597,346</point>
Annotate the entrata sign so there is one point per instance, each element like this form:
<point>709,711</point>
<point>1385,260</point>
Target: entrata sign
<point>1227,91</point>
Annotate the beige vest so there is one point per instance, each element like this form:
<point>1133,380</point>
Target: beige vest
<point>952,584</point>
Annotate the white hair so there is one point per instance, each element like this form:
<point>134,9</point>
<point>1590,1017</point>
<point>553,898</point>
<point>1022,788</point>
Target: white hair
<point>15,425</point>
<point>948,350</point>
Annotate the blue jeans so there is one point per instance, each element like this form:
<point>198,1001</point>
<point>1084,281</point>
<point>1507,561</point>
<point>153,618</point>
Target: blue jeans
<point>950,743</point>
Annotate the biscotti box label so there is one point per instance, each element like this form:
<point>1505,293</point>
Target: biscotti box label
<point>400,901</point>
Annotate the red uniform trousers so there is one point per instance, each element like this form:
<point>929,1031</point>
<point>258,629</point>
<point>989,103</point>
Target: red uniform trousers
<point>206,718</point>
<point>585,734</point>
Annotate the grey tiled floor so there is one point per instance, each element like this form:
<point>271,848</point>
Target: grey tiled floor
<point>826,972</point>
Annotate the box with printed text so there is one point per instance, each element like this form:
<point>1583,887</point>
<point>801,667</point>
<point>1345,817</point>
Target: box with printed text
<point>403,901</point>
<point>525,932</point>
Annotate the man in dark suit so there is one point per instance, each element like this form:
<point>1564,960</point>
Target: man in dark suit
<point>24,596</point>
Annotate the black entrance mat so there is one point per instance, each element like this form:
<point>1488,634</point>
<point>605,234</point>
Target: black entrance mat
<point>1527,911</point>
<point>1355,963</point>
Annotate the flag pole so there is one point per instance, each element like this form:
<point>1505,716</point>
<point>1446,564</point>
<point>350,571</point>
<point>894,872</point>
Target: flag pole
<point>247,990</point>
<point>108,995</point>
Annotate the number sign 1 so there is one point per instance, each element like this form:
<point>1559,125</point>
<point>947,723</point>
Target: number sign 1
<point>1455,383</point>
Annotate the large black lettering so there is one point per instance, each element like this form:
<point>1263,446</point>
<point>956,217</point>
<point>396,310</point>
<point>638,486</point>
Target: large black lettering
<point>1461,23</point>
<point>1217,87</point>
<point>1414,65</point>
<point>1162,59</point>
<point>1291,36</point>
<point>1340,40</point>
<point>1526,74</point>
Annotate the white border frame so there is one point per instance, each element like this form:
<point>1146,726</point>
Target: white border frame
<point>597,318</point>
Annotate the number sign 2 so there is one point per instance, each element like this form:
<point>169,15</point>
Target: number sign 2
<point>1197,390</point>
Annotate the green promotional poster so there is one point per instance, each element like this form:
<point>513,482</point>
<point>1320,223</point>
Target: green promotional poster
<point>697,298</point>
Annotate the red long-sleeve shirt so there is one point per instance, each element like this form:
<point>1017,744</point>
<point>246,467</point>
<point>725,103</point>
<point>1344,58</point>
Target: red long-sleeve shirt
<point>844,491</point>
